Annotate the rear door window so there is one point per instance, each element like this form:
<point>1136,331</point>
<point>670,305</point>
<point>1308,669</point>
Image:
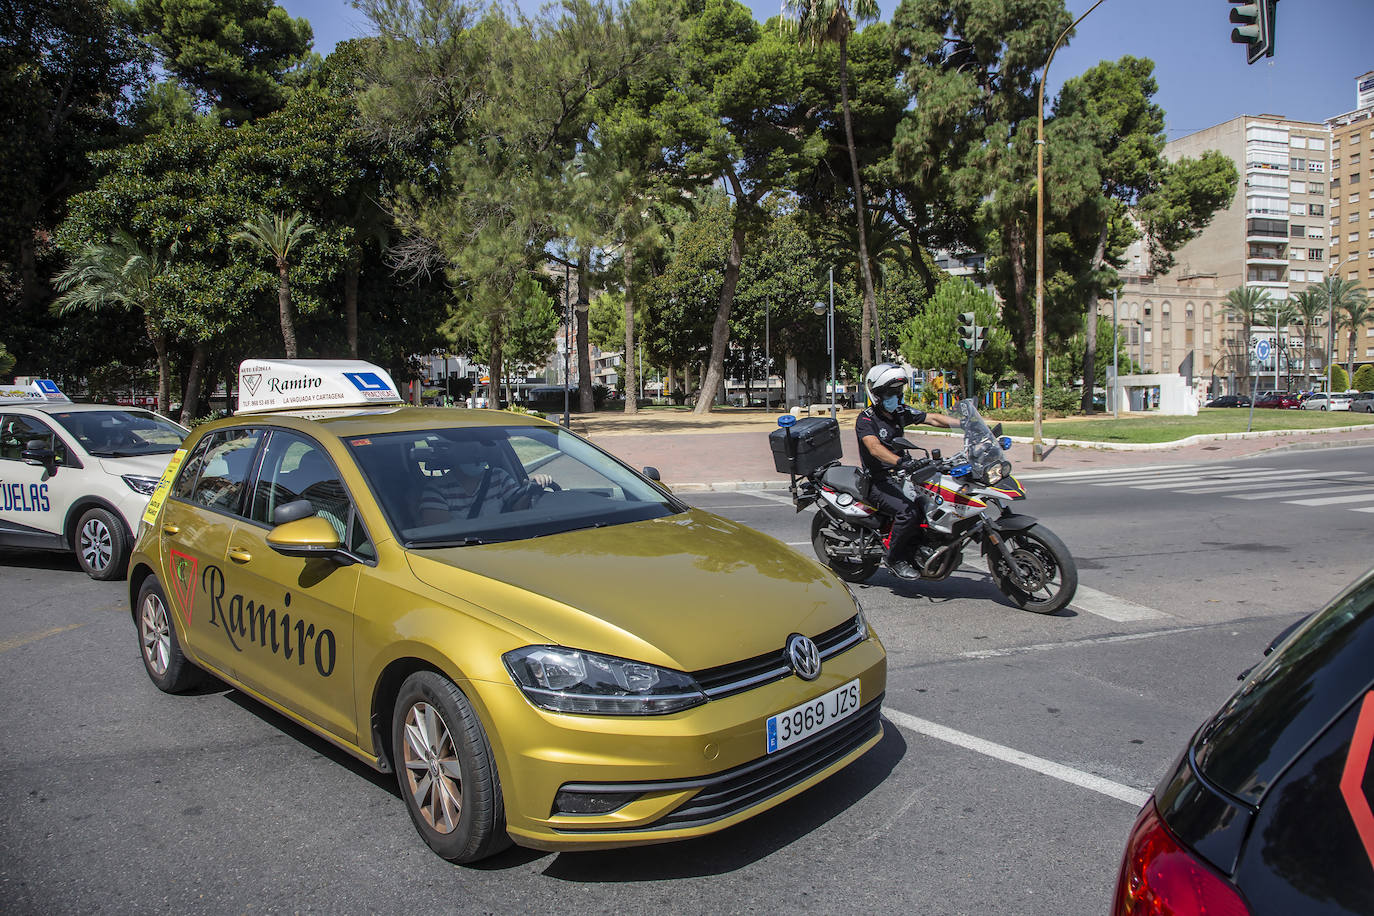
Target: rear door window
<point>224,471</point>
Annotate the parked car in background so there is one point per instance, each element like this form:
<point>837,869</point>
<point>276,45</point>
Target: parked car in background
<point>1282,399</point>
<point>1267,811</point>
<point>1363,402</point>
<point>1322,400</point>
<point>1230,400</point>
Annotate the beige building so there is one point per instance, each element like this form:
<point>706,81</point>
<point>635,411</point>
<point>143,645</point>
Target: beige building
<point>1272,236</point>
<point>1352,206</point>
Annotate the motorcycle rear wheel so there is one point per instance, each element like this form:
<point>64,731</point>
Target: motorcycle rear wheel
<point>1046,576</point>
<point>847,569</point>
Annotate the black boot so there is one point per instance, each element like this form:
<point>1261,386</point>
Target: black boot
<point>902,568</point>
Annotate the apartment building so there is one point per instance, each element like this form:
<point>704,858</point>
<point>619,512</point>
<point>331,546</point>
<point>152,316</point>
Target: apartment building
<point>1352,205</point>
<point>1272,236</point>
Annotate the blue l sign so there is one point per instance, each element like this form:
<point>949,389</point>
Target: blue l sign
<point>367,381</point>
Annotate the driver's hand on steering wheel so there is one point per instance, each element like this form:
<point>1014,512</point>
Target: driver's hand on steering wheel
<point>543,480</point>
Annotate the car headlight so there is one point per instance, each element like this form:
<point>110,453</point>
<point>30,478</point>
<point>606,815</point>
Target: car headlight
<point>144,486</point>
<point>571,680</point>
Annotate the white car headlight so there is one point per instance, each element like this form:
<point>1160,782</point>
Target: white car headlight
<point>144,486</point>
<point>571,680</point>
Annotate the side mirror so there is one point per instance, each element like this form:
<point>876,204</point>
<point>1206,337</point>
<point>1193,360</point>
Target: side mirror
<point>652,474</point>
<point>293,511</point>
<point>310,538</point>
<point>37,453</point>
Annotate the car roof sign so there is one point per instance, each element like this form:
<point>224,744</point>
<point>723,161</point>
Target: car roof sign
<point>291,384</point>
<point>39,391</point>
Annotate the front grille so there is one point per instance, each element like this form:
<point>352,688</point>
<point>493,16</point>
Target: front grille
<point>724,680</point>
<point>752,783</point>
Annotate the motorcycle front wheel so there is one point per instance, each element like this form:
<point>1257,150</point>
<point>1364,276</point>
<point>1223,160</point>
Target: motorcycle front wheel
<point>1045,577</point>
<point>850,570</point>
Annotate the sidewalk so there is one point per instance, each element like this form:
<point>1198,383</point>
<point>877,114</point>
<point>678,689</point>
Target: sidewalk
<point>728,449</point>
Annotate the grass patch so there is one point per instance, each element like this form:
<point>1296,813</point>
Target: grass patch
<point>1209,421</point>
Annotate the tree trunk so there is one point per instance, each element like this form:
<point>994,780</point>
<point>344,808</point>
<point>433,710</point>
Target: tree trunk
<point>1350,357</point>
<point>631,392</point>
<point>288,327</point>
<point>1016,248</point>
<point>1090,344</point>
<point>351,273</point>
<point>586,401</point>
<point>720,330</point>
<point>791,392</point>
<point>870,307</point>
<point>164,381</point>
<point>192,395</point>
<point>494,368</point>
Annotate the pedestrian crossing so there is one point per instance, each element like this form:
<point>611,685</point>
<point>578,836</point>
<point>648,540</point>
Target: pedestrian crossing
<point>1345,490</point>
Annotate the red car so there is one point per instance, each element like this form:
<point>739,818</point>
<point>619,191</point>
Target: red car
<point>1284,400</point>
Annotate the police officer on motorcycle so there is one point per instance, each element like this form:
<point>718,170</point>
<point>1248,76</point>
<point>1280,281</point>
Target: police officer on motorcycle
<point>878,424</point>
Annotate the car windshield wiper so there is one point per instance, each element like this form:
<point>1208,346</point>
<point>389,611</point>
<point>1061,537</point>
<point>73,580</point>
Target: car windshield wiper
<point>453,542</point>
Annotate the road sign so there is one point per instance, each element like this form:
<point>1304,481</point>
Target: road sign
<point>1262,350</point>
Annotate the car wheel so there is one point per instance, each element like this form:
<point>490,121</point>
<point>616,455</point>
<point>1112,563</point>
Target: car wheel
<point>445,770</point>
<point>102,546</point>
<point>163,659</point>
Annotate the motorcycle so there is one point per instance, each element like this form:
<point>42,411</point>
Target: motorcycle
<point>967,499</point>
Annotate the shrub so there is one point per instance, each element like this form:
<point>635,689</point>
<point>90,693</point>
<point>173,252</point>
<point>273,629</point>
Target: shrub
<point>516,408</point>
<point>1339,379</point>
<point>1364,378</point>
<point>1054,400</point>
<point>599,395</point>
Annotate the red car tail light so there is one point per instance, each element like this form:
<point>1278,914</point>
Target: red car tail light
<point>1161,878</point>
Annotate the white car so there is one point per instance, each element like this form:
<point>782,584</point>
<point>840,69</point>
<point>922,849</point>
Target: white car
<point>76,477</point>
<point>1321,400</point>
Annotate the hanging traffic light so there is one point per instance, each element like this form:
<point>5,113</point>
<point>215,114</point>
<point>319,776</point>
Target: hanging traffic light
<point>1255,23</point>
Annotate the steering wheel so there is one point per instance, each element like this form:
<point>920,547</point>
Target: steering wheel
<point>526,495</point>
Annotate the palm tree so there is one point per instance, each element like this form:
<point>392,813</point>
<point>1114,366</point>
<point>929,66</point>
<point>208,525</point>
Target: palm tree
<point>1247,304</point>
<point>278,235</point>
<point>120,274</point>
<point>1355,312</point>
<point>1339,294</point>
<point>820,22</point>
<point>1285,316</point>
<point>1308,308</point>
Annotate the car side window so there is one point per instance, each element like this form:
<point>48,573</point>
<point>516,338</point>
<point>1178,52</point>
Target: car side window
<point>191,468</point>
<point>294,468</point>
<point>17,431</point>
<point>224,475</point>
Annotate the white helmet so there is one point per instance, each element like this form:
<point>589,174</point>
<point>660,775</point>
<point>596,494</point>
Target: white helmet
<point>884,378</point>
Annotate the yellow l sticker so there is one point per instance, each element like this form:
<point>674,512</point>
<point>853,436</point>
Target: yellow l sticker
<point>163,486</point>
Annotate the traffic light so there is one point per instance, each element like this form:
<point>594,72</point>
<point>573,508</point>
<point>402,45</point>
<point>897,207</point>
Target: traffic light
<point>971,337</point>
<point>1255,27</point>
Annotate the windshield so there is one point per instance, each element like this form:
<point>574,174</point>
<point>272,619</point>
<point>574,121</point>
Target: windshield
<point>980,447</point>
<point>462,487</point>
<point>117,433</point>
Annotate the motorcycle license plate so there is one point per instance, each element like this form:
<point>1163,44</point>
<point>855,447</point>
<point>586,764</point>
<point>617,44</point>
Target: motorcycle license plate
<point>800,722</point>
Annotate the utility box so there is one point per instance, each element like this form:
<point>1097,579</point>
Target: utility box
<point>810,443</point>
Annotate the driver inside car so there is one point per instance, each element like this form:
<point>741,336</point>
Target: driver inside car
<point>460,486</point>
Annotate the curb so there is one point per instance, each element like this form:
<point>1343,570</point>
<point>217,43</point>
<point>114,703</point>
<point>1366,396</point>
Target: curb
<point>1184,443</point>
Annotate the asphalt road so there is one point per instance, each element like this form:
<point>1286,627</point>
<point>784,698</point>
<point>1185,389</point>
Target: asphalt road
<point>1017,746</point>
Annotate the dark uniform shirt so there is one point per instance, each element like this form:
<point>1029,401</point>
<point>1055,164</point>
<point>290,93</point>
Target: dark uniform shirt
<point>870,423</point>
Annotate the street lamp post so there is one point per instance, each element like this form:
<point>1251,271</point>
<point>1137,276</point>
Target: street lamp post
<point>1116,363</point>
<point>1038,442</point>
<point>820,309</point>
<point>767,361</point>
<point>567,348</point>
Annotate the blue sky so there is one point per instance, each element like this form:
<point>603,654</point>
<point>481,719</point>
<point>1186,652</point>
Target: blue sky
<point>1322,46</point>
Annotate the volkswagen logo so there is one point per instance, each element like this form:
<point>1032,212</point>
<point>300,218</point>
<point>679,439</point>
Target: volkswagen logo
<point>805,658</point>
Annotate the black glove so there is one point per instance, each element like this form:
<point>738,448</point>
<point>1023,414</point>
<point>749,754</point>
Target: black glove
<point>908,464</point>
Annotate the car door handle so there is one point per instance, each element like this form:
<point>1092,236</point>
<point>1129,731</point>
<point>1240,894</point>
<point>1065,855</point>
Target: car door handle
<point>239,555</point>
<point>171,529</point>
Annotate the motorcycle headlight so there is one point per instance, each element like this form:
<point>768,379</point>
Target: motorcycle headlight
<point>571,680</point>
<point>144,486</point>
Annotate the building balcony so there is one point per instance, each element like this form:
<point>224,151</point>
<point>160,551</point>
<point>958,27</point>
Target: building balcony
<point>1269,260</point>
<point>1277,285</point>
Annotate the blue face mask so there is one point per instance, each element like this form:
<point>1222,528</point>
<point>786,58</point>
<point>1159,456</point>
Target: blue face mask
<point>891,401</point>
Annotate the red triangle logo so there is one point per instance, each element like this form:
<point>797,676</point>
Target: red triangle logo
<point>183,581</point>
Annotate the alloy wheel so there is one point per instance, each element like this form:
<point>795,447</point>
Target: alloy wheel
<point>433,775</point>
<point>155,629</point>
<point>97,544</point>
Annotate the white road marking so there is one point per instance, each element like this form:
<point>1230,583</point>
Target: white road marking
<point>1111,477</point>
<point>1308,490</point>
<point>1333,500</point>
<point>1072,475</point>
<point>1258,477</point>
<point>784,498</point>
<point>1006,754</point>
<point>1242,485</point>
<point>1091,601</point>
<point>1074,643</point>
<point>1366,509</point>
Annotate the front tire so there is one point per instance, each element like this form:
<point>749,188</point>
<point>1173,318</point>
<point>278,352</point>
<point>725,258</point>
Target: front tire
<point>167,666</point>
<point>102,545</point>
<point>848,570</point>
<point>445,770</point>
<point>1046,576</point>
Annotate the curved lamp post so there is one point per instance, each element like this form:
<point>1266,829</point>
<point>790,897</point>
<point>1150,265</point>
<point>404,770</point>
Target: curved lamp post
<point>1038,443</point>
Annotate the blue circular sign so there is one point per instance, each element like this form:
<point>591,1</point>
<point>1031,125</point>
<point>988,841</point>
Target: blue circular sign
<point>1262,349</point>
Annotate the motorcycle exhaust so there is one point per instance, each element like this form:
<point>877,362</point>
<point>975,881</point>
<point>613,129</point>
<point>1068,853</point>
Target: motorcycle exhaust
<point>942,562</point>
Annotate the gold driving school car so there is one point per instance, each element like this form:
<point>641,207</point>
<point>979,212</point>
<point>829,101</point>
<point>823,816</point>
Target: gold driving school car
<point>544,645</point>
